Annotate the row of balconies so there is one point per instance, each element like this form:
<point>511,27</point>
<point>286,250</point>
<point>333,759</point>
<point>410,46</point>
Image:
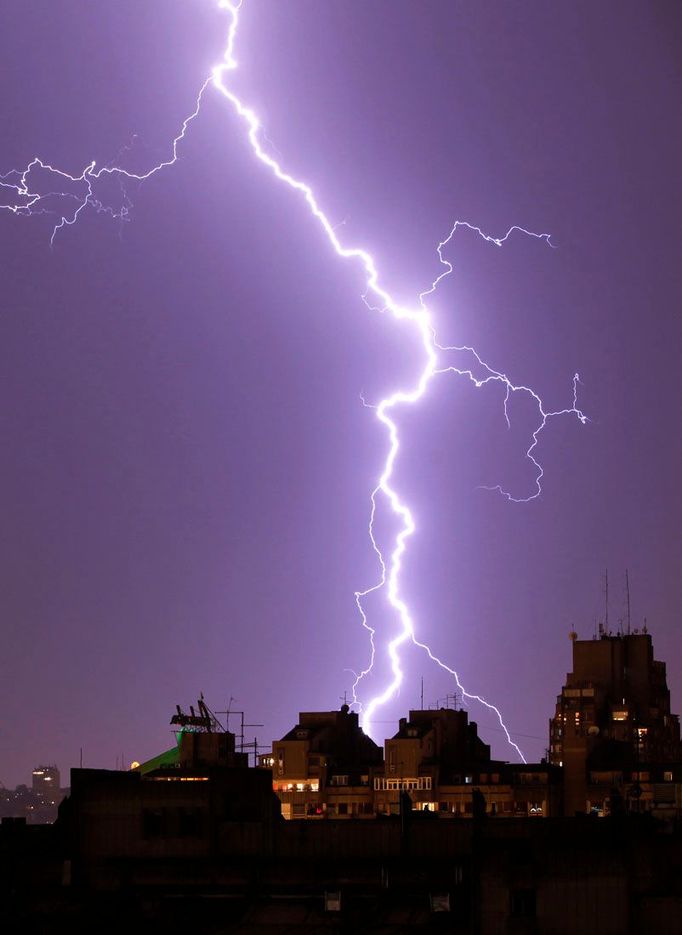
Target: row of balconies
<point>446,807</point>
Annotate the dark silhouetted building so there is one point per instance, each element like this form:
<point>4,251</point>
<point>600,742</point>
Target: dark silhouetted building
<point>193,840</point>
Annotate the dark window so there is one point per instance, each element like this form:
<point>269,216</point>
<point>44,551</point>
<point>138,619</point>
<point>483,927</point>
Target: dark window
<point>343,808</point>
<point>522,904</point>
<point>189,823</point>
<point>152,822</point>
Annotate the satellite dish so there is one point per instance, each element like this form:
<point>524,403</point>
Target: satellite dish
<point>593,731</point>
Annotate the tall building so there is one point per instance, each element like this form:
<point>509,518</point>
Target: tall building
<point>612,729</point>
<point>45,782</point>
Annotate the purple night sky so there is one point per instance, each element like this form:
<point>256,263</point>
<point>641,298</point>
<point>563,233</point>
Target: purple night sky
<point>186,462</point>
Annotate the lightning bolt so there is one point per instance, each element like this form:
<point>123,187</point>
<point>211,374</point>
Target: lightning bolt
<point>79,192</point>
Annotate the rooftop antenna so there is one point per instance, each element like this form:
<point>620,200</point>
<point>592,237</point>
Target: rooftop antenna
<point>228,712</point>
<point>606,600</point>
<point>421,703</point>
<point>240,737</point>
<point>451,699</point>
<point>627,594</point>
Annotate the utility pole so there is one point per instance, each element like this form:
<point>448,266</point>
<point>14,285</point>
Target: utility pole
<point>627,594</point>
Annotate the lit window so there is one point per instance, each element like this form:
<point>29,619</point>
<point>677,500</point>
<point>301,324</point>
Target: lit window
<point>620,715</point>
<point>179,778</point>
<point>668,776</point>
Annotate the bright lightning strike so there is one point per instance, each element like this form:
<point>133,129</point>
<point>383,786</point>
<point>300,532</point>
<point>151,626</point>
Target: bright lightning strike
<point>79,191</point>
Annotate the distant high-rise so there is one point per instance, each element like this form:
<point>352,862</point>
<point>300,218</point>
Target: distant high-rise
<point>612,718</point>
<point>45,782</point>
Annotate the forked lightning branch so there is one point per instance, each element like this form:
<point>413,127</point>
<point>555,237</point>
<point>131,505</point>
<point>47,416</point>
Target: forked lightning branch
<point>68,195</point>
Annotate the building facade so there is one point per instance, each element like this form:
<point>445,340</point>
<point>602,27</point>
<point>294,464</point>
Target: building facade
<point>326,767</point>
<point>323,767</point>
<point>613,733</point>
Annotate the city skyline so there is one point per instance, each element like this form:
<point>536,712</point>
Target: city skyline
<point>177,521</point>
<point>629,670</point>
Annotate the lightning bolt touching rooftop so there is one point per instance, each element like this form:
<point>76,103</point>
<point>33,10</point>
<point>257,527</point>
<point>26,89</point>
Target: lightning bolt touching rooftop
<point>23,196</point>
